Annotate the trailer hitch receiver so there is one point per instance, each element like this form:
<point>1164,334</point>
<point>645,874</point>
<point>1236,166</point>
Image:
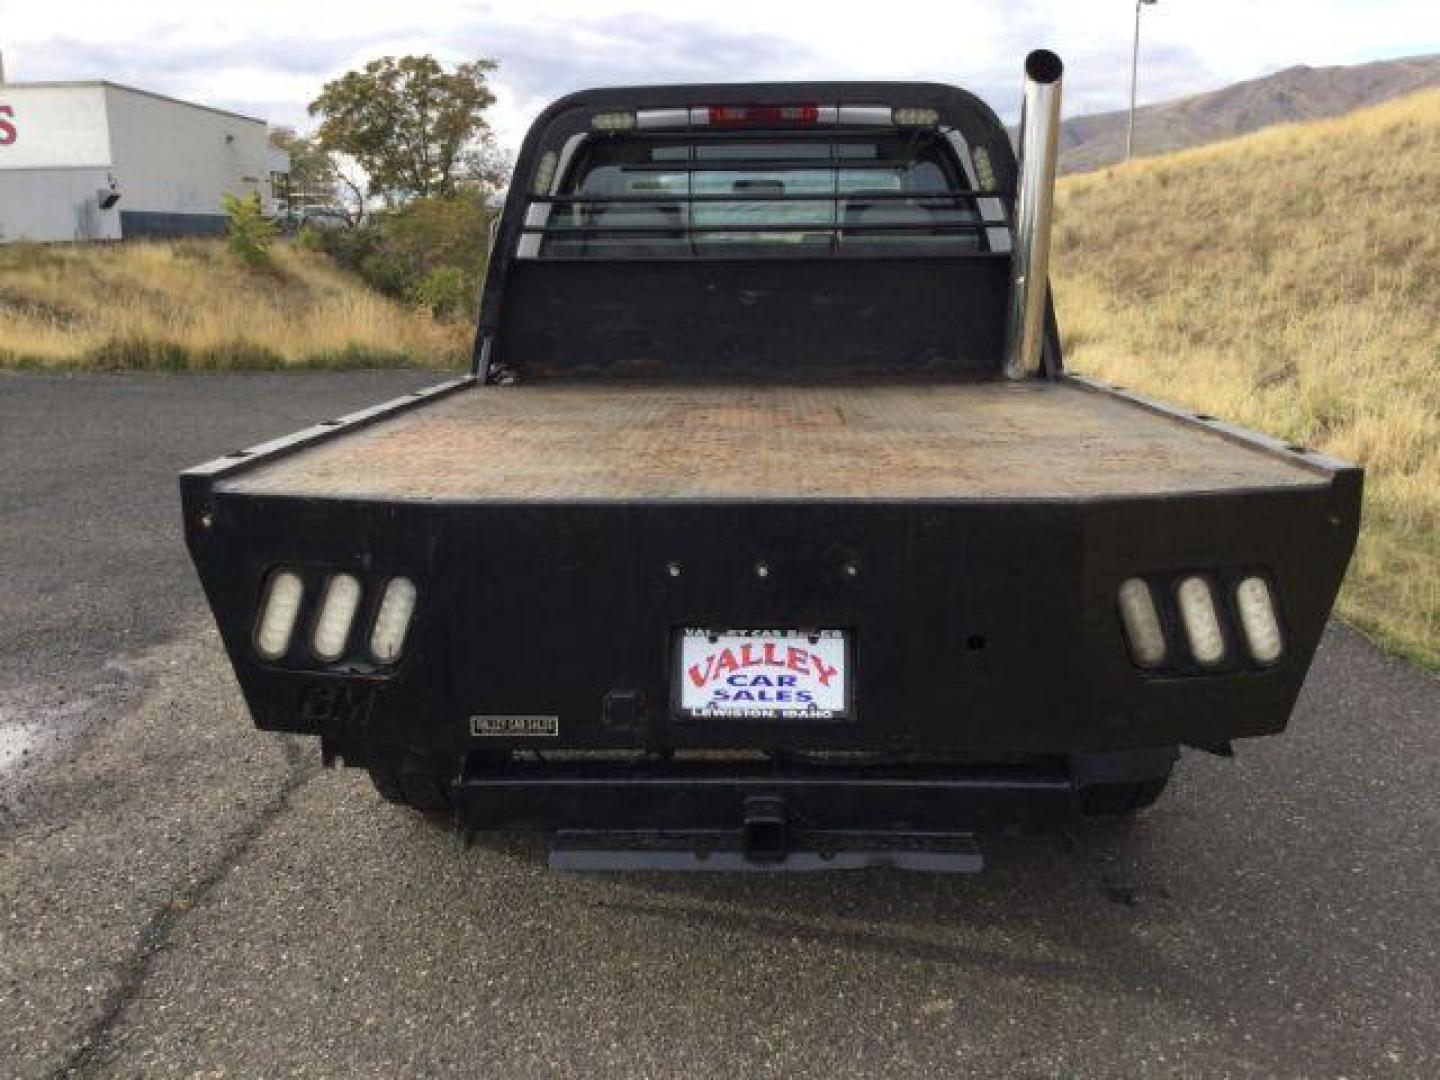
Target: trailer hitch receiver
<point>765,834</point>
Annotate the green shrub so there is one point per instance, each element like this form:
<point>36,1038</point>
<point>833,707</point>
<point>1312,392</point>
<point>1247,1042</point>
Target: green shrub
<point>429,251</point>
<point>308,239</point>
<point>426,233</point>
<point>381,270</point>
<point>248,232</point>
<point>447,291</point>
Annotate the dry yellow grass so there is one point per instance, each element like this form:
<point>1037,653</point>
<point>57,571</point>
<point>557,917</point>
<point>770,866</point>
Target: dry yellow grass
<point>1290,281</point>
<point>191,305</point>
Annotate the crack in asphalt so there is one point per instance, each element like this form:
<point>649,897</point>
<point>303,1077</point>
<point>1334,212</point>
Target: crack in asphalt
<point>90,1052</point>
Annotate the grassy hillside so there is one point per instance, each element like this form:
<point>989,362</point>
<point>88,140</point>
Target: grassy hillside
<point>1288,280</point>
<point>191,305</point>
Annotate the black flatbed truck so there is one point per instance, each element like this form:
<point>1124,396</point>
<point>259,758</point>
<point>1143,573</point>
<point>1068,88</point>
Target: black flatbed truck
<point>768,529</point>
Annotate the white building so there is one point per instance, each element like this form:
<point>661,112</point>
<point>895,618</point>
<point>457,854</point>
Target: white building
<point>98,161</point>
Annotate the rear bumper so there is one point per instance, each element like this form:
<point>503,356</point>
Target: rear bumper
<point>703,798</point>
<point>784,815</point>
<point>914,797</point>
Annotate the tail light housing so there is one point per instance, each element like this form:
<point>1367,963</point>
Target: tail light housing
<point>1200,622</point>
<point>346,624</point>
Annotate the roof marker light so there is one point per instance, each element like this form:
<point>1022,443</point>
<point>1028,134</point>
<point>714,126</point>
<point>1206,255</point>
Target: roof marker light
<point>392,621</point>
<point>1142,623</point>
<point>337,612</point>
<point>1258,620</point>
<point>1202,621</point>
<point>278,613</point>
<point>613,121</point>
<point>915,118</point>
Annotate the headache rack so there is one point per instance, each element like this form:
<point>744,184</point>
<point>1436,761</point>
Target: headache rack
<point>849,218</point>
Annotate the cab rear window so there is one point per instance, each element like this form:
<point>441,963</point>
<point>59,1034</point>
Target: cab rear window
<point>681,195</point>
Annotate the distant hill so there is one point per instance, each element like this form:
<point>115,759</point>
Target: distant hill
<point>1297,93</point>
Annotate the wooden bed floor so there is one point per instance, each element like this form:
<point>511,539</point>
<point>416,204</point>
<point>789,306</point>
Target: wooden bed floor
<point>578,442</point>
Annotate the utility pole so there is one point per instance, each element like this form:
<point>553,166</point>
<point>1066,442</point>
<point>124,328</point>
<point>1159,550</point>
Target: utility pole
<point>1134,72</point>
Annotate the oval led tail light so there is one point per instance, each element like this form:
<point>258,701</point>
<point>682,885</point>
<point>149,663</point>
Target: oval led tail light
<point>392,621</point>
<point>1258,620</point>
<point>278,614</point>
<point>1202,621</point>
<point>337,612</point>
<point>1142,623</point>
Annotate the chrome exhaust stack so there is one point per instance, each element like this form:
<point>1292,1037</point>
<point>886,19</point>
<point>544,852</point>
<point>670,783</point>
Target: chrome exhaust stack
<point>1034,204</point>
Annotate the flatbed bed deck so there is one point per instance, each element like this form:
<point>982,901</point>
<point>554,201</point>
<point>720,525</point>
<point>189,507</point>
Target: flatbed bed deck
<point>579,442</point>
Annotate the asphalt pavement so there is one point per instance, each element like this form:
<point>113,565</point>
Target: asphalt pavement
<point>182,895</point>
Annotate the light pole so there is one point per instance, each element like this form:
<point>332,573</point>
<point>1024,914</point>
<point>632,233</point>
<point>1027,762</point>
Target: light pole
<point>1134,71</point>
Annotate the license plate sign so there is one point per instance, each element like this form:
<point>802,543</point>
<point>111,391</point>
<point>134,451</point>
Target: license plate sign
<point>764,674</point>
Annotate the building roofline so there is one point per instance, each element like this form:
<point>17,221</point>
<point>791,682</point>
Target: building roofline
<point>93,83</point>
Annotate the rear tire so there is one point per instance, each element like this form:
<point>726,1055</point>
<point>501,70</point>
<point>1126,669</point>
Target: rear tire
<point>426,792</point>
<point>1121,800</point>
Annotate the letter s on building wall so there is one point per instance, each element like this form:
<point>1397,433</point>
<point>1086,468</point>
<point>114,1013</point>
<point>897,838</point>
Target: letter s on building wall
<point>8,131</point>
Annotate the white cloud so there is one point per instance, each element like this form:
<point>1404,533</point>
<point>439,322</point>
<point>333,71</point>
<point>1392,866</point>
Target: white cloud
<point>271,57</point>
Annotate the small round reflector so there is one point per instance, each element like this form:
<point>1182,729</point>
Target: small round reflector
<point>278,613</point>
<point>1258,620</point>
<point>337,612</point>
<point>1202,622</point>
<point>1142,623</point>
<point>392,621</point>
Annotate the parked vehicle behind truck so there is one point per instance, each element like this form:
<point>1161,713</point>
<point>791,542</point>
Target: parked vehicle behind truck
<point>769,529</point>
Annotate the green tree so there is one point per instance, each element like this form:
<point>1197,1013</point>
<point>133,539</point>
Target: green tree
<point>412,126</point>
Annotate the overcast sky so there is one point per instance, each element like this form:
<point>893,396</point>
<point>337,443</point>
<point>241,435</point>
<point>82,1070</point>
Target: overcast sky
<point>269,58</point>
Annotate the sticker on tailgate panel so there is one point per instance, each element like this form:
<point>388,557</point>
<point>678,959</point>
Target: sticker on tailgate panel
<point>509,727</point>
